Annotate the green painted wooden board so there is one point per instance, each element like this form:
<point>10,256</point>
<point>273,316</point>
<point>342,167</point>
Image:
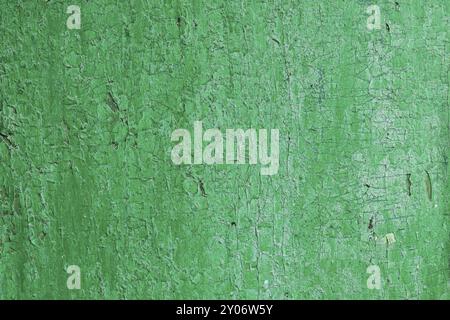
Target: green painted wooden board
<point>86,176</point>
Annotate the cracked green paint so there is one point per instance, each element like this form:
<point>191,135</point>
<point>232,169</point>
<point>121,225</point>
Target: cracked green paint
<point>86,177</point>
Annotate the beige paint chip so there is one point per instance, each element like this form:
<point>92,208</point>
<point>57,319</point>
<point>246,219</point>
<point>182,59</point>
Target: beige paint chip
<point>390,238</point>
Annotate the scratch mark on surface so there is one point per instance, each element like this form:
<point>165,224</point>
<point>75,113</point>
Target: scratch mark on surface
<point>7,140</point>
<point>408,183</point>
<point>428,186</point>
<point>202,188</point>
<point>112,102</point>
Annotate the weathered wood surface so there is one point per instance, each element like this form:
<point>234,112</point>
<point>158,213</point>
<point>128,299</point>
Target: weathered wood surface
<point>86,175</point>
